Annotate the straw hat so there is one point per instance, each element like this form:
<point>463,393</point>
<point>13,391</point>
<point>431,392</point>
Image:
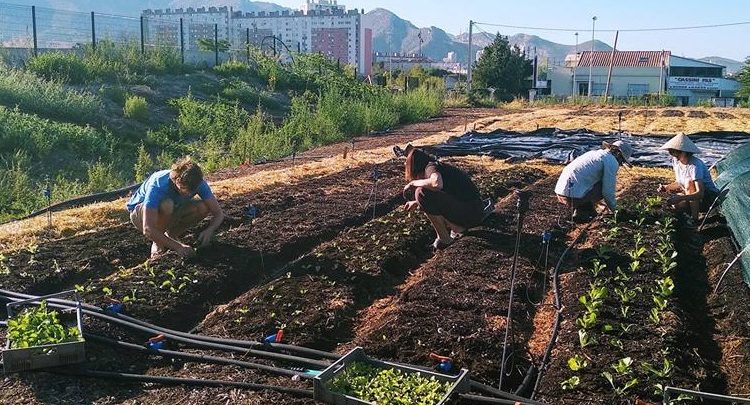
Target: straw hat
<point>624,147</point>
<point>682,143</point>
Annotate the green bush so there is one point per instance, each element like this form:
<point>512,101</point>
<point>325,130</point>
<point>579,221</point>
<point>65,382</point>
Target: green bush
<point>103,177</point>
<point>216,121</point>
<point>116,93</point>
<point>418,105</point>
<point>47,98</point>
<point>144,165</point>
<point>246,94</point>
<point>136,107</point>
<point>233,69</point>
<point>108,62</point>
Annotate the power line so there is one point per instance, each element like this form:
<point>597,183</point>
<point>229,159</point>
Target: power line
<point>693,27</point>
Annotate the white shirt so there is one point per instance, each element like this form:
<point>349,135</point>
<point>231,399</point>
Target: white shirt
<point>580,176</point>
<point>695,169</point>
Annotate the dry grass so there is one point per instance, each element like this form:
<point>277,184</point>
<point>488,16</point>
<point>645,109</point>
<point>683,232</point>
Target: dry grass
<point>635,120</point>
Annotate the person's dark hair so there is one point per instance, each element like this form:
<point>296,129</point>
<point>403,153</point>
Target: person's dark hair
<point>416,163</point>
<point>187,173</point>
<point>676,153</point>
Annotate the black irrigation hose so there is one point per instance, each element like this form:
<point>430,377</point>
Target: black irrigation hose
<point>189,381</point>
<point>489,400</point>
<point>489,390</point>
<point>202,344</point>
<point>558,312</point>
<point>209,339</point>
<point>522,205</point>
<point>201,358</point>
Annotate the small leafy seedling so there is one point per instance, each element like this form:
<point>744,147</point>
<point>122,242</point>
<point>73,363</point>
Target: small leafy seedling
<point>571,383</point>
<point>577,362</point>
<point>39,326</point>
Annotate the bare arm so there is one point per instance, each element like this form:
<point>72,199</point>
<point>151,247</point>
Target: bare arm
<point>432,181</point>
<point>217,217</point>
<point>694,193</point>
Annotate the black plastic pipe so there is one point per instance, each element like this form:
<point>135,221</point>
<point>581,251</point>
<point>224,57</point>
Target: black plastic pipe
<point>211,339</point>
<point>558,312</point>
<point>201,344</point>
<point>188,381</point>
<point>489,400</point>
<point>486,389</point>
<point>201,358</point>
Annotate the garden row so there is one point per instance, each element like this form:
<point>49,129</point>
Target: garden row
<point>317,298</point>
<point>625,335</point>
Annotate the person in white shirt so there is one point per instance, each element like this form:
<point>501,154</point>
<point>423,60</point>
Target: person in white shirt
<point>693,189</point>
<point>591,178</point>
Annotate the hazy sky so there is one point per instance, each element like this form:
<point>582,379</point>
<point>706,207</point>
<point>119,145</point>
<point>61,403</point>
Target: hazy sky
<point>453,16</point>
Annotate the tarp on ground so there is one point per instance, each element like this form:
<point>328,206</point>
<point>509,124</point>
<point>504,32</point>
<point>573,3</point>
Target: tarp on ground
<point>561,146</point>
<point>734,173</point>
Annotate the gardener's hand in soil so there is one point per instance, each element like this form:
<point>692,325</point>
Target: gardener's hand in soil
<point>185,251</point>
<point>411,205</point>
<point>205,237</point>
<point>661,188</point>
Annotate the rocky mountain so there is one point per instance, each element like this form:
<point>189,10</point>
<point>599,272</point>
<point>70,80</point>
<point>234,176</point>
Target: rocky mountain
<point>393,34</point>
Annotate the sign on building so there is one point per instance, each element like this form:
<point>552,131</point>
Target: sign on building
<point>693,83</point>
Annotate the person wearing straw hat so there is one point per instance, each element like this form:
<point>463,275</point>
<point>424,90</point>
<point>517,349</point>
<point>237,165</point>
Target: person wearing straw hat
<point>693,188</point>
<point>591,178</point>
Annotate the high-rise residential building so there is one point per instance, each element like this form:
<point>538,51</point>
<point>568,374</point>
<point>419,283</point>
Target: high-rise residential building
<point>162,27</point>
<point>322,26</point>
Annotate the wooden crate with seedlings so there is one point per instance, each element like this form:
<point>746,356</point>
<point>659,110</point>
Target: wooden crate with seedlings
<point>38,339</point>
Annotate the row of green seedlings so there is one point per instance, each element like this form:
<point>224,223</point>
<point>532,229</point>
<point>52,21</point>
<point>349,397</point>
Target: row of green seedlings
<point>622,378</point>
<point>32,250</point>
<point>170,281</point>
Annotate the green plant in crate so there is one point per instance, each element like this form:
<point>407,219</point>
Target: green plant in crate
<point>39,326</point>
<point>388,386</point>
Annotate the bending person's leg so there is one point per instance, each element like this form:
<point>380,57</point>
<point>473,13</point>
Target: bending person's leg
<point>187,216</point>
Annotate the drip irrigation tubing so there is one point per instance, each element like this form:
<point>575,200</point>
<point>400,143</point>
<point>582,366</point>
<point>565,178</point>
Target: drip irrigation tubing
<point>522,206</point>
<point>199,358</point>
<point>210,339</point>
<point>486,389</point>
<point>187,381</point>
<point>558,311</point>
<point>489,400</point>
<point>198,343</point>
<point>83,200</point>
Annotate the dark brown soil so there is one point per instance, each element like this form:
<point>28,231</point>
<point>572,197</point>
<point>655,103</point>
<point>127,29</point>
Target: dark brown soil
<point>723,115</point>
<point>672,113</point>
<point>681,336</point>
<point>698,114</point>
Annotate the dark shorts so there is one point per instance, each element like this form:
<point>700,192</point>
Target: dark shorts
<point>708,198</point>
<point>465,214</point>
<point>593,196</point>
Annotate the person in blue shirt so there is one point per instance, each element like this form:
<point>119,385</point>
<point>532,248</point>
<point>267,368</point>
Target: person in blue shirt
<point>693,189</point>
<point>163,208</point>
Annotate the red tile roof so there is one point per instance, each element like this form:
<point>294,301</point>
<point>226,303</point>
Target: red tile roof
<point>625,58</point>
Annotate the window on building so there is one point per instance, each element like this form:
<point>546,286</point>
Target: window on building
<point>637,89</point>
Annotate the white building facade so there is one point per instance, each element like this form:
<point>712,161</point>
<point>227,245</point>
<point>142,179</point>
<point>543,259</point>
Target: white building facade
<point>637,73</point>
<point>321,26</point>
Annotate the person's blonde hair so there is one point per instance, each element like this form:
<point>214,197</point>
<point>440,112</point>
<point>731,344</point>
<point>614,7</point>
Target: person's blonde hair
<point>186,172</point>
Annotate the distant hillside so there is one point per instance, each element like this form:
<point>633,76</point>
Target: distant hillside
<point>732,65</point>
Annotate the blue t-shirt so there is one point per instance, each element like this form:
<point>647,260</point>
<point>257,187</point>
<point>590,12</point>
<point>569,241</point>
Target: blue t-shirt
<point>158,187</point>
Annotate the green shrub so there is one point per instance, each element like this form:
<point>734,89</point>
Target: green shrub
<point>246,94</point>
<point>418,105</point>
<point>216,121</point>
<point>233,69</point>
<point>116,93</point>
<point>136,107</point>
<point>47,98</point>
<point>67,67</point>
<point>144,165</point>
<point>102,177</point>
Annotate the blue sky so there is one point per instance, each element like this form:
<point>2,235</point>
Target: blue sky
<point>454,16</point>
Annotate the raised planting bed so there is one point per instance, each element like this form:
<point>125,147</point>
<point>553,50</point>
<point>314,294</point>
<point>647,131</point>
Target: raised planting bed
<point>356,379</point>
<point>456,303</point>
<point>317,300</point>
<point>625,335</point>
<point>39,337</point>
<point>178,293</point>
<point>47,267</point>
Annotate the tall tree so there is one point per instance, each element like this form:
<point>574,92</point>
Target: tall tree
<point>744,78</point>
<point>504,68</point>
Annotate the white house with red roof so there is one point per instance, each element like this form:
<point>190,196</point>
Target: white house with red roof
<point>628,74</point>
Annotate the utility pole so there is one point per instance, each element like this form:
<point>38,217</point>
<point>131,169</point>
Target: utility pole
<point>611,63</point>
<point>575,67</point>
<point>591,55</point>
<point>661,72</point>
<point>468,72</point>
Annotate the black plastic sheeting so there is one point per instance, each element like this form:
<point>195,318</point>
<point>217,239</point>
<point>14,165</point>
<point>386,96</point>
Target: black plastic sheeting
<point>562,146</point>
